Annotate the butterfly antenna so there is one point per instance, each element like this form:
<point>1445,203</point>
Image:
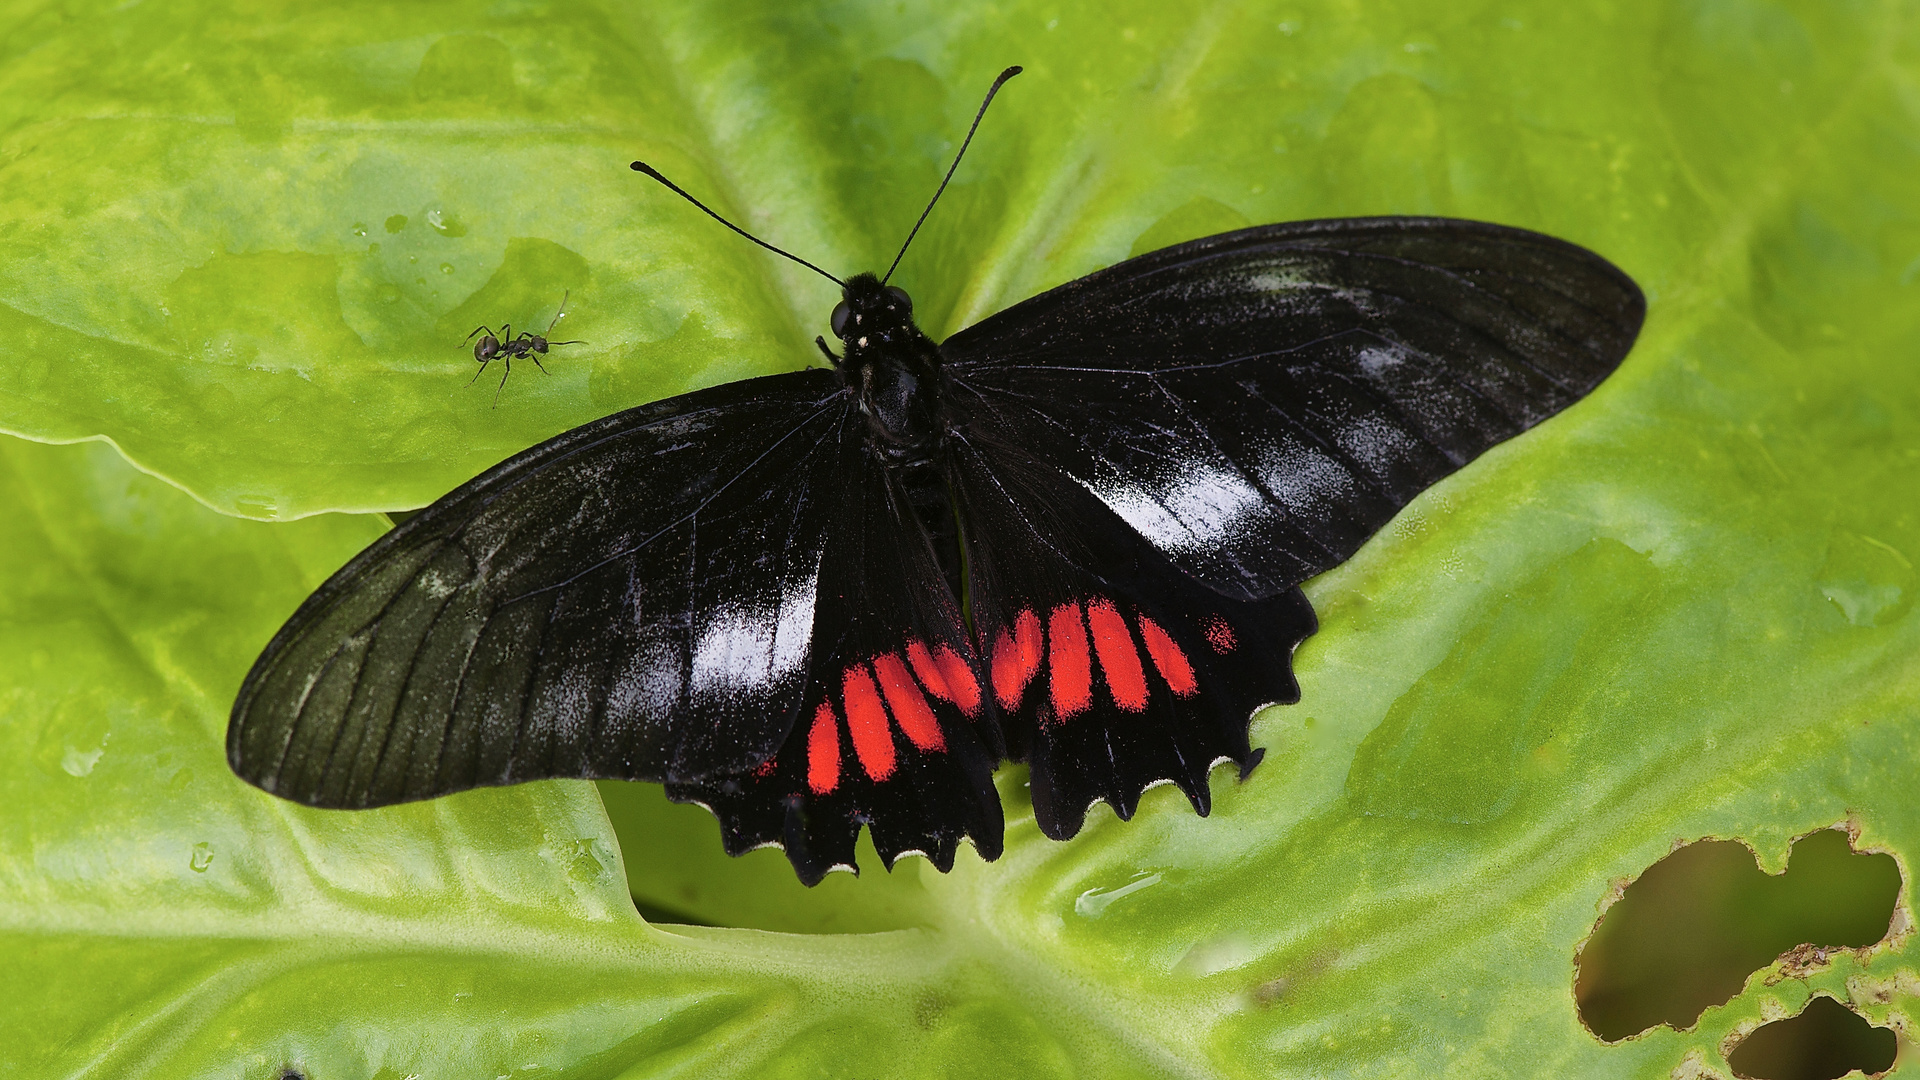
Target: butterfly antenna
<point>643,167</point>
<point>991,90</point>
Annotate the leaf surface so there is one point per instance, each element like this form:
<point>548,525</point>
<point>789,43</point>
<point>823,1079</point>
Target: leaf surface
<point>243,247</point>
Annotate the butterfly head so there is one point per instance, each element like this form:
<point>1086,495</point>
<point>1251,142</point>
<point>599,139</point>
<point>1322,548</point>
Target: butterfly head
<point>871,315</point>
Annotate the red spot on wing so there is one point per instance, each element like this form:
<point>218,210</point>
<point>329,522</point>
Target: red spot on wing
<point>1168,658</point>
<point>1119,658</point>
<point>930,674</point>
<point>1016,660</point>
<point>823,751</point>
<point>946,675</point>
<point>1220,635</point>
<point>960,680</point>
<point>867,723</point>
<point>1003,667</point>
<point>1069,667</point>
<point>909,705</point>
<point>765,768</point>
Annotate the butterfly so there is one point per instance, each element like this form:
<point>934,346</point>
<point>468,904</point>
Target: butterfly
<point>1071,534</point>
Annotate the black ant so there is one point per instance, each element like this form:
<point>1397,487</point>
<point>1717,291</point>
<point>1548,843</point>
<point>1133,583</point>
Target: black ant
<point>492,347</point>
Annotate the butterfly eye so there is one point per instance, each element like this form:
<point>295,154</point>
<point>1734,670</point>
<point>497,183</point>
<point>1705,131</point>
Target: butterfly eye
<point>838,322</point>
<point>900,294</point>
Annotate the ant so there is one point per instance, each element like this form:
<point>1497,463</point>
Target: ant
<point>492,347</point>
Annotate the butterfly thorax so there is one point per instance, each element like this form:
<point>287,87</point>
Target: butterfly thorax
<point>893,367</point>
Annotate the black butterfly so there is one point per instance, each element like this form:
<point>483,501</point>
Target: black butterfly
<point>1070,534</point>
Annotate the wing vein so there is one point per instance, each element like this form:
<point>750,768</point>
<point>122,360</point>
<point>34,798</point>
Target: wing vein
<point>413,663</point>
<point>526,690</point>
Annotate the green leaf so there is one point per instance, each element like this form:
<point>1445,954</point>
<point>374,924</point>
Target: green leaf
<point>1681,610</point>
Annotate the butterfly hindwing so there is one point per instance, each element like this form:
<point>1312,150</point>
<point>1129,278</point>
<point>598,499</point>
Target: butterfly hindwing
<point>1258,403</point>
<point>584,609</point>
<point>897,731</point>
<point>1112,669</point>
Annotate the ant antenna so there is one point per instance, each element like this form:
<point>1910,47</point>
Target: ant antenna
<point>643,167</point>
<point>991,90</point>
<point>556,322</point>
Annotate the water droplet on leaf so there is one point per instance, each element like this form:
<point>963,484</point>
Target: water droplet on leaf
<point>445,224</point>
<point>584,866</point>
<point>1870,581</point>
<point>74,740</point>
<point>1094,902</point>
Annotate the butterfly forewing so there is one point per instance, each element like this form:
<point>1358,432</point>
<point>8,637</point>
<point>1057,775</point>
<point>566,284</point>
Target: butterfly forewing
<point>1259,403</point>
<point>587,609</point>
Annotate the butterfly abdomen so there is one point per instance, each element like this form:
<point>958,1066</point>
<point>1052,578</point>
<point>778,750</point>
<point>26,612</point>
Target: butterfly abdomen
<point>932,505</point>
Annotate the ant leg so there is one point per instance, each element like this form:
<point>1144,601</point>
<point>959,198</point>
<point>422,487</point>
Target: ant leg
<point>541,366</point>
<point>476,330</point>
<point>476,375</point>
<point>822,342</point>
<point>503,382</point>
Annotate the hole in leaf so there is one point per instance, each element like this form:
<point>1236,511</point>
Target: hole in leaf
<point>1696,924</point>
<point>1827,1040</point>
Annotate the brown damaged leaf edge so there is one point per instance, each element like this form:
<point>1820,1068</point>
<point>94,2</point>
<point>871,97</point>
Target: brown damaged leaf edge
<point>1684,936</point>
<point>1826,1038</point>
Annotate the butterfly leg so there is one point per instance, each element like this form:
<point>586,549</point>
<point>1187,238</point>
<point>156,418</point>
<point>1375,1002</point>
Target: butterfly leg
<point>822,342</point>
